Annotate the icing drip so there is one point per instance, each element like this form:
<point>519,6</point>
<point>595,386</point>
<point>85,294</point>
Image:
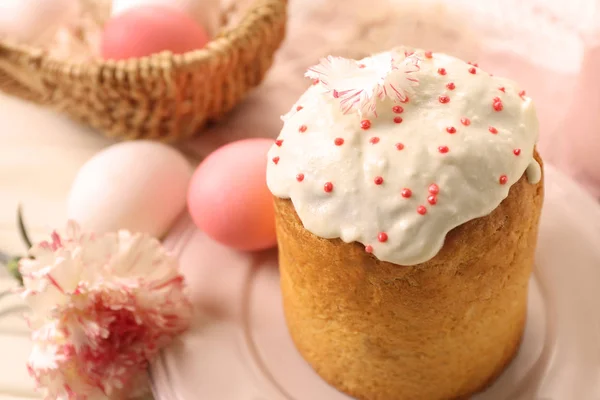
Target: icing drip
<point>534,172</point>
<point>399,172</point>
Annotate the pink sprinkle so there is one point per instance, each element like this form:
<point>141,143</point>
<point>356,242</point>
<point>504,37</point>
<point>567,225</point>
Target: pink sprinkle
<point>328,187</point>
<point>338,141</point>
<point>443,149</point>
<point>406,100</point>
<point>451,85</point>
<point>422,210</point>
<point>365,124</point>
<point>300,177</point>
<point>275,160</point>
<point>398,120</point>
<point>406,193</point>
<point>428,54</point>
<point>399,146</point>
<point>434,189</point>
<point>299,108</point>
<point>502,89</point>
<point>522,94</point>
<point>302,128</point>
<point>473,64</point>
<point>517,152</point>
<point>382,237</point>
<point>432,200</point>
<point>472,70</point>
<point>498,106</point>
<point>378,180</point>
<point>362,66</point>
<point>451,129</point>
<point>279,142</point>
<point>374,140</point>
<point>315,81</point>
<point>444,99</point>
<point>369,249</point>
<point>398,109</point>
<point>336,95</point>
<point>465,121</point>
<point>503,179</point>
<point>442,71</point>
<point>493,130</point>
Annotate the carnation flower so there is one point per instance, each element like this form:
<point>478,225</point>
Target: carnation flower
<point>359,84</point>
<point>102,307</point>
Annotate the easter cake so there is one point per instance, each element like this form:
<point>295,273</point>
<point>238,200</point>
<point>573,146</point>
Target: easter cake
<point>407,192</point>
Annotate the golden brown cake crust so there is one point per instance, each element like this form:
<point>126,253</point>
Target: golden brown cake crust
<point>441,330</point>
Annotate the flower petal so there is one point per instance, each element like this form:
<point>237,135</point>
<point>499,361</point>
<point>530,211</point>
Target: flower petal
<point>358,86</point>
<point>102,308</point>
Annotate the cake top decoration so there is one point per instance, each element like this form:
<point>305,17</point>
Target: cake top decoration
<point>358,85</point>
<point>395,150</point>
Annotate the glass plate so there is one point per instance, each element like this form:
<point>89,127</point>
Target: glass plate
<point>239,347</point>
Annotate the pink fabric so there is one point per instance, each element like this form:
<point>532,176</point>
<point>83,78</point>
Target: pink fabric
<point>580,131</point>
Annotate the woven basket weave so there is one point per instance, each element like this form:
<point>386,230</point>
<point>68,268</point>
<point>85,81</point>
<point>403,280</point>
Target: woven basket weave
<point>162,97</point>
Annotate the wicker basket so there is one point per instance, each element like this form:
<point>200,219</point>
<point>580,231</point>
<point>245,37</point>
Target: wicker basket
<point>162,97</point>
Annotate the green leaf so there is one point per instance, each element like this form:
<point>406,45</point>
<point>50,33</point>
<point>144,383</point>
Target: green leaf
<point>13,269</point>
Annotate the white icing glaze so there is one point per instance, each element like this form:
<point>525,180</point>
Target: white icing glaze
<point>534,172</point>
<point>468,175</point>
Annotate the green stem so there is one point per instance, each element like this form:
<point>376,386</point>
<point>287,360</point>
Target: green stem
<point>22,229</point>
<point>13,269</point>
<point>12,263</point>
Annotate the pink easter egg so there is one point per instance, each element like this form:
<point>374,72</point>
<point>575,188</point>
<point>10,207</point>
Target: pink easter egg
<point>143,31</point>
<point>228,197</point>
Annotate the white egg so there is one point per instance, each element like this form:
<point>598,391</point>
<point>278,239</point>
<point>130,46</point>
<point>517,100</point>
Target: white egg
<point>140,186</point>
<point>205,12</point>
<point>36,21</point>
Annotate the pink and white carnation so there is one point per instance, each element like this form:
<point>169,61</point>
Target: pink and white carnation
<point>358,85</point>
<point>102,307</point>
